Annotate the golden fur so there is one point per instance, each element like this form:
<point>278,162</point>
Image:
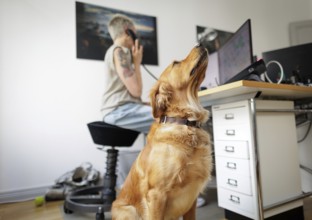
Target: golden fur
<point>175,165</point>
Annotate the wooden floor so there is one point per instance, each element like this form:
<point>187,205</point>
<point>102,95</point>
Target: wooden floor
<point>28,211</point>
<point>53,211</point>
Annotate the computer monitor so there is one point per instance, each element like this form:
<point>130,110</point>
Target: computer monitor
<point>294,58</point>
<point>236,54</point>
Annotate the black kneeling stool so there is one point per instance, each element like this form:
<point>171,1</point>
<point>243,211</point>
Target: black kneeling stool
<point>99,199</point>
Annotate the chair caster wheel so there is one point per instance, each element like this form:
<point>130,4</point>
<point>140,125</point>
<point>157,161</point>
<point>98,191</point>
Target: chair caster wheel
<point>99,216</point>
<point>66,210</point>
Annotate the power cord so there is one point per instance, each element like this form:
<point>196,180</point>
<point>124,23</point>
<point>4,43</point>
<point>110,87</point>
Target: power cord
<point>307,132</point>
<point>281,69</point>
<point>307,169</point>
<point>151,74</point>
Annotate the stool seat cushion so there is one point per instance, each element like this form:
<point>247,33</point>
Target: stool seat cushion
<point>111,135</point>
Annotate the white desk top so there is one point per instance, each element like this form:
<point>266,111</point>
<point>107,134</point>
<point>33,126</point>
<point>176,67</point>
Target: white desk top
<point>264,90</point>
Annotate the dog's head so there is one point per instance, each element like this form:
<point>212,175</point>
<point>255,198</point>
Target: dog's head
<point>175,93</point>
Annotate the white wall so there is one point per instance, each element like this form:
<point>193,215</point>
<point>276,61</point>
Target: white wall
<point>47,95</point>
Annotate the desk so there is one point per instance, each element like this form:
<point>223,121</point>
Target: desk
<point>257,162</point>
<point>260,89</point>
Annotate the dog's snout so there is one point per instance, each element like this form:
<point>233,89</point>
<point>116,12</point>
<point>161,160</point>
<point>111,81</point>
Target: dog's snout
<point>198,45</point>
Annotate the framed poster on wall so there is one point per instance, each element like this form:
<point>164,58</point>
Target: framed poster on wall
<point>92,35</point>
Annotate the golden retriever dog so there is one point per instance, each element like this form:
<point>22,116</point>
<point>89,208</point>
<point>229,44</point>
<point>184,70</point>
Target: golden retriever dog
<point>175,165</point>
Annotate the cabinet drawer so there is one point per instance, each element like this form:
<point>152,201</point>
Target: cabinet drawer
<point>232,132</point>
<point>231,115</point>
<point>232,166</point>
<point>237,183</point>
<point>236,202</point>
<point>236,149</point>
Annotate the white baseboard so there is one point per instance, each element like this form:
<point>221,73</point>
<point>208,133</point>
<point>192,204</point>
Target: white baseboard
<point>23,194</point>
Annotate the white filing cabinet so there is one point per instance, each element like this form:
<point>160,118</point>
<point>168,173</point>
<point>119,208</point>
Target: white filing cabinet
<point>257,162</point>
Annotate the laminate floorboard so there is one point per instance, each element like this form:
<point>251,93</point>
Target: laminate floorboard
<point>54,211</point>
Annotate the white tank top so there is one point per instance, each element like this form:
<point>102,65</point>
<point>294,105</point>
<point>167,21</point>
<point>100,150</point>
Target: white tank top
<point>115,92</point>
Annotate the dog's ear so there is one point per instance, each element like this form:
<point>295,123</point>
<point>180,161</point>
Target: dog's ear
<point>160,97</point>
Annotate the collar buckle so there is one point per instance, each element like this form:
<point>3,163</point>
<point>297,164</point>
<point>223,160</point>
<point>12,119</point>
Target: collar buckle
<point>163,119</point>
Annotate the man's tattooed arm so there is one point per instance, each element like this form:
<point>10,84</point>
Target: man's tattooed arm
<point>129,75</point>
<point>125,63</point>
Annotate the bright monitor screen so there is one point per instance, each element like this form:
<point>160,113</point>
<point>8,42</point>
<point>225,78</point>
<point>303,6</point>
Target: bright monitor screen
<point>236,54</point>
<point>212,73</point>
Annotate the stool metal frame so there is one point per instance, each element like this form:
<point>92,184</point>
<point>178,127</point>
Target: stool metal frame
<point>99,199</point>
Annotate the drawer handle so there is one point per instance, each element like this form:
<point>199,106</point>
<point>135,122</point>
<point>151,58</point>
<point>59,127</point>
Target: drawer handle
<point>231,165</point>
<point>232,182</point>
<point>229,116</point>
<point>229,149</point>
<point>235,199</point>
<point>230,132</point>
